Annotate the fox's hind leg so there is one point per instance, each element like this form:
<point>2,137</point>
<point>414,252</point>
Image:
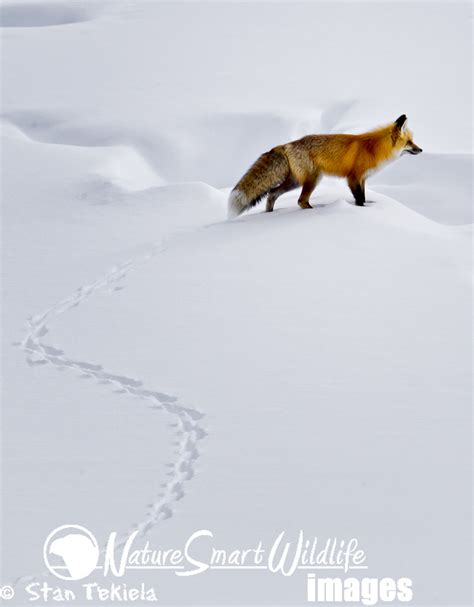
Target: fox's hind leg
<point>357,187</point>
<point>308,188</point>
<point>286,186</point>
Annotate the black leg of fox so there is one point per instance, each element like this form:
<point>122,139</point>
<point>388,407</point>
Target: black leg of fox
<point>288,185</point>
<point>357,187</point>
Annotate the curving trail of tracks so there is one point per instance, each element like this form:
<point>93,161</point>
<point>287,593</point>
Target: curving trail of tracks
<point>187,421</point>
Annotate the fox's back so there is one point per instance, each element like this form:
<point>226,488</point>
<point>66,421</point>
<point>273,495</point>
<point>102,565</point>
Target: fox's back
<point>332,154</point>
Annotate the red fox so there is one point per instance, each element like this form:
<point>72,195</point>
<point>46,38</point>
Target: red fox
<point>305,161</point>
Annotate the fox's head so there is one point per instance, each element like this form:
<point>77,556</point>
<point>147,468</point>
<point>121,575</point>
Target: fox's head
<point>402,137</point>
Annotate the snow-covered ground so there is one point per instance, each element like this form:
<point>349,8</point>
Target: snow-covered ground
<point>166,368</point>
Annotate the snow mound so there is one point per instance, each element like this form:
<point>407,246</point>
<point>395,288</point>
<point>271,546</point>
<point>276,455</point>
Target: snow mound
<point>116,160</point>
<point>41,15</point>
<point>438,186</point>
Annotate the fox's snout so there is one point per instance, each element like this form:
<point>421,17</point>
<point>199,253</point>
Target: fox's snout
<point>414,150</point>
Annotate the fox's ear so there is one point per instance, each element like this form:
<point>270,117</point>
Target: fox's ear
<point>400,121</point>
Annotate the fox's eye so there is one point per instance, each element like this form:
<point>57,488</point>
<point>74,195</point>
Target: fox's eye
<point>410,142</point>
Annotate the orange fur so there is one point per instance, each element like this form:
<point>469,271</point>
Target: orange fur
<point>304,161</point>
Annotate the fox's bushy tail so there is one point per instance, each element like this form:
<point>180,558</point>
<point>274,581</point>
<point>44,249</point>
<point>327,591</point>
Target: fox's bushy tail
<point>266,173</point>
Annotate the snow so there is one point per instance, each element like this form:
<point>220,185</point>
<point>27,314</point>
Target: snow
<point>167,368</point>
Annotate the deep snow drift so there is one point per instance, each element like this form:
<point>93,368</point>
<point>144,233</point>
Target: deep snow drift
<point>168,369</point>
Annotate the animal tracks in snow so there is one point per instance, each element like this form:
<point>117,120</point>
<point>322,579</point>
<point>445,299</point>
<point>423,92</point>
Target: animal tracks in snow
<point>187,421</point>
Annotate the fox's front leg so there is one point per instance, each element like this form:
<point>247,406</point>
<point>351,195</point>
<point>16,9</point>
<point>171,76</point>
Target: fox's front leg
<point>357,187</point>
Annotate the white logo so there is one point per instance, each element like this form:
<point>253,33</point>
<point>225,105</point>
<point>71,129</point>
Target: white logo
<point>71,552</point>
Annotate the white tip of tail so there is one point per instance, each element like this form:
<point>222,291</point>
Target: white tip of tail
<point>237,203</point>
